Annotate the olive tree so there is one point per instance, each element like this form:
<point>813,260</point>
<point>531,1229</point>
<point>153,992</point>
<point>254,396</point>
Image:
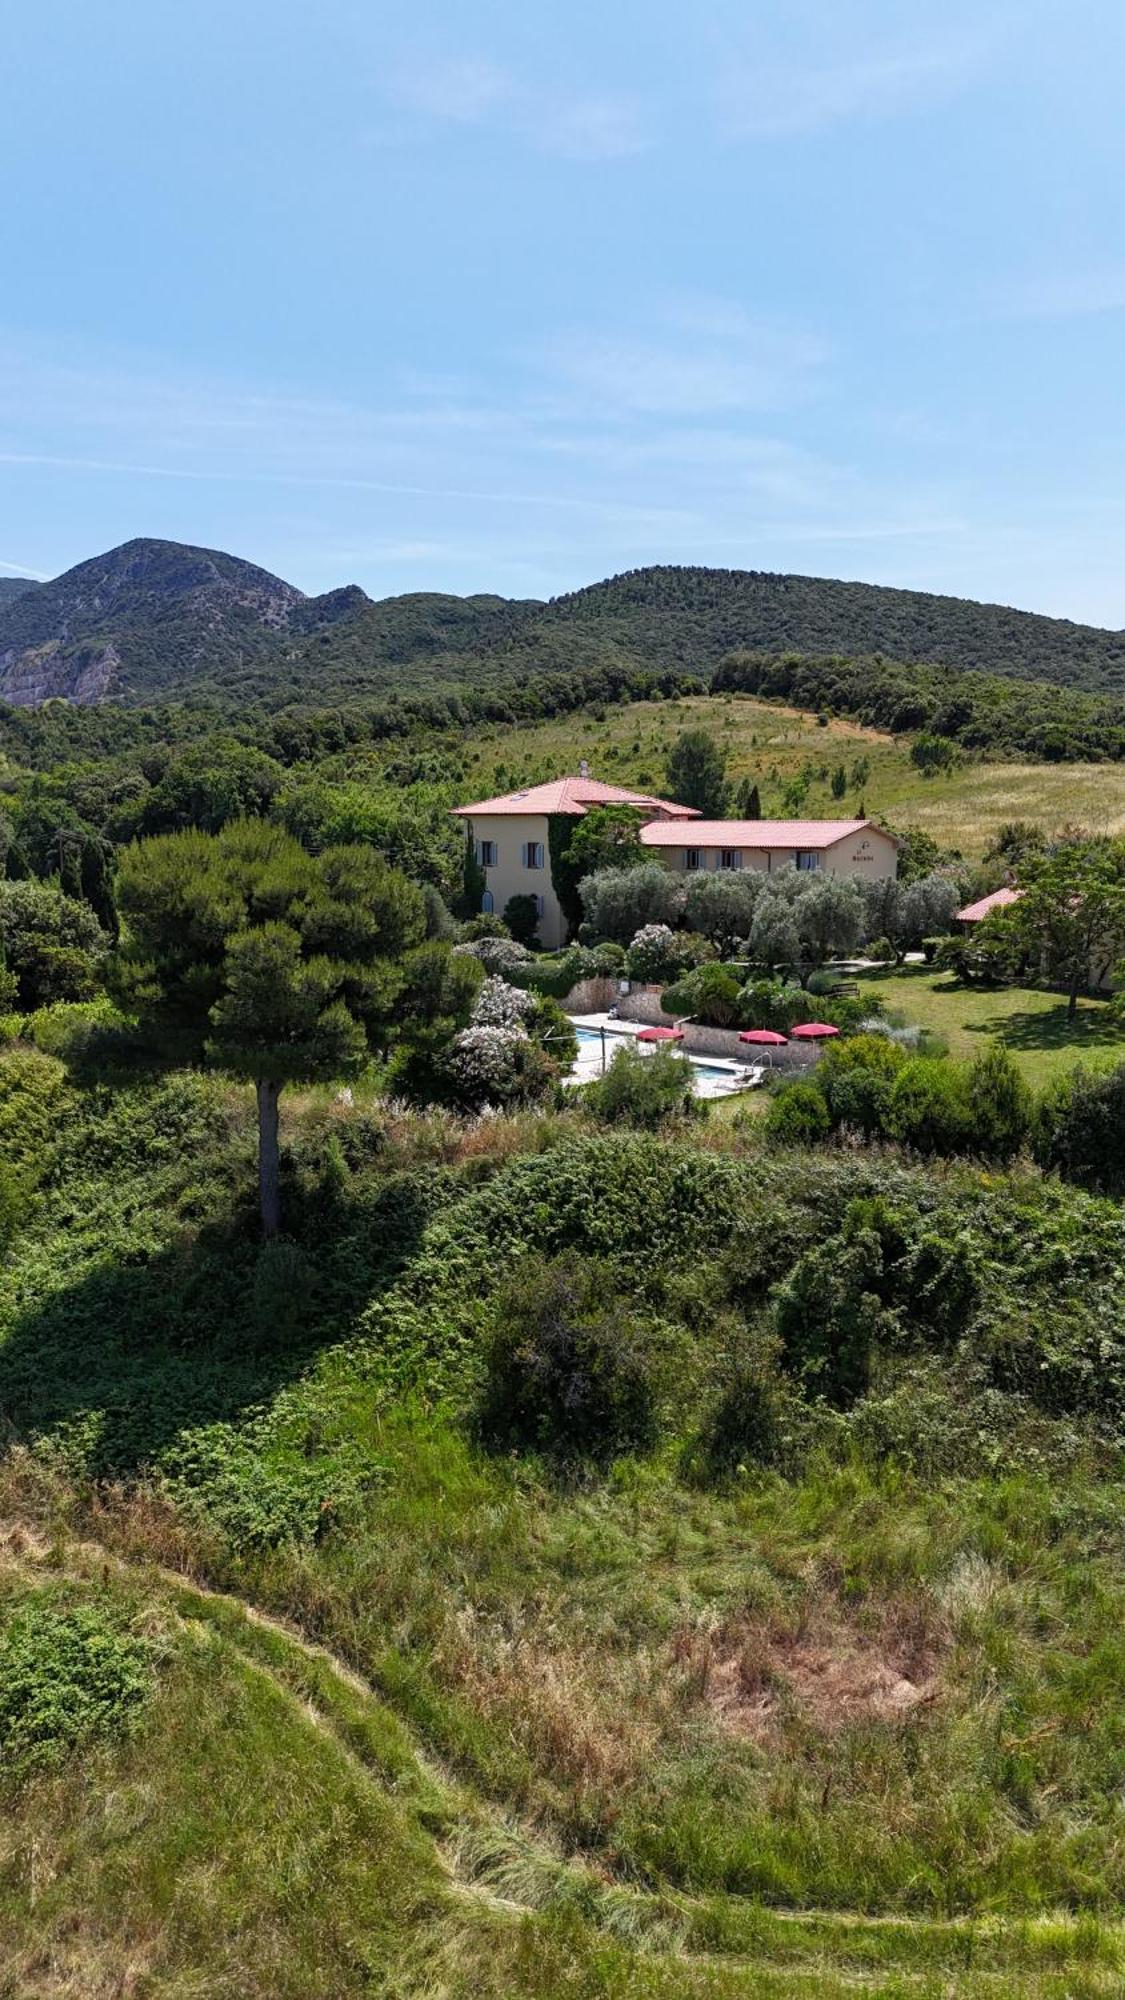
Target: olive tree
<point>618,902</point>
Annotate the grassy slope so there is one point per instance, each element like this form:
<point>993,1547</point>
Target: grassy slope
<point>1032,1025</point>
<point>771,744</point>
<point>539,1663</point>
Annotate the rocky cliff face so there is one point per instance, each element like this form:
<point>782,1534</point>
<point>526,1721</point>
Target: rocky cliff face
<point>138,621</point>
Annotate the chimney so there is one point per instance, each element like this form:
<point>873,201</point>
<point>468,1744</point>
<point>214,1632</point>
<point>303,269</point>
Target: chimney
<point>583,769</point>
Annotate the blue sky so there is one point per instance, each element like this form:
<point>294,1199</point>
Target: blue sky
<point>490,296</point>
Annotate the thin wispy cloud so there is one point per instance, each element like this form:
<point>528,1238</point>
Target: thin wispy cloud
<point>766,99</point>
<point>23,569</point>
<point>1062,293</point>
<point>474,91</point>
<point>696,361</point>
<point>464,90</point>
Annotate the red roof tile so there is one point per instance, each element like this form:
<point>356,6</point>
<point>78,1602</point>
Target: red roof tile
<point>773,833</point>
<point>574,795</point>
<point>975,913</point>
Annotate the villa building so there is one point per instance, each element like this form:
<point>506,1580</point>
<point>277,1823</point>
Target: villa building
<point>511,836</point>
<point>851,847</point>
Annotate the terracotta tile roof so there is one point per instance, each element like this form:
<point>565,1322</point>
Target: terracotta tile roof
<point>574,795</point>
<point>773,833</point>
<point>975,913</point>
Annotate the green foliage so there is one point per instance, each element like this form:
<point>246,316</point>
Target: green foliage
<point>1070,913</point>
<point>771,1003</point>
<point>1010,710</point>
<point>618,902</point>
<point>930,1108</point>
<point>710,994</point>
<point>930,753</point>
<point>1000,1103</point>
<point>604,837</point>
<point>280,964</point>
<point>571,1368</point>
<point>643,1090</point>
<point>53,946</point>
<point>68,1674</point>
<point>473,880</point>
<point>978,958</point>
<point>1080,1129</point>
<point>798,1115</point>
<point>697,773</point>
<point>721,905</point>
<point>521,914</point>
<point>658,954</point>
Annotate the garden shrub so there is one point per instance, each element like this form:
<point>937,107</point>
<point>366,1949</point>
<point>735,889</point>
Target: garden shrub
<point>1001,1105</point>
<point>486,924</point>
<point>1080,1129</point>
<point>642,1090</point>
<point>499,955</point>
<point>658,954</point>
<point>798,1115</point>
<point>67,1675</point>
<point>773,1003</point>
<point>569,1365</point>
<point>521,914</point>
<point>709,994</point>
<point>930,1107</point>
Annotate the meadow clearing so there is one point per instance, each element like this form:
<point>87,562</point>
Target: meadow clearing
<point>962,809</point>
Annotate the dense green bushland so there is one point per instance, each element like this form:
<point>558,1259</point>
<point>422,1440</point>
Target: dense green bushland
<point>584,1448</point>
<point>975,709</point>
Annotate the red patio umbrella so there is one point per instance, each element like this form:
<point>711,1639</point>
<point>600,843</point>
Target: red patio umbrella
<point>765,1038</point>
<point>813,1031</point>
<point>661,1035</point>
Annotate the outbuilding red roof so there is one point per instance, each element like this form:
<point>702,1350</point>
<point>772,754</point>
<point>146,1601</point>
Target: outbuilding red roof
<point>575,795</point>
<point>795,833</point>
<point>975,913</point>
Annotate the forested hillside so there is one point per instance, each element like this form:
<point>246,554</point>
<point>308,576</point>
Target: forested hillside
<point>159,620</point>
<point>12,587</point>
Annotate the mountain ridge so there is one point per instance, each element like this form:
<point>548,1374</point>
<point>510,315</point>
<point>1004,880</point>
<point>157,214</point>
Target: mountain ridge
<point>156,620</point>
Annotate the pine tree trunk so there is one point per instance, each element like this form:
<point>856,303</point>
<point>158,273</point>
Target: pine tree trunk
<point>269,1182</point>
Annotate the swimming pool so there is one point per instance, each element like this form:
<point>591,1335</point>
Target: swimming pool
<point>590,1039</point>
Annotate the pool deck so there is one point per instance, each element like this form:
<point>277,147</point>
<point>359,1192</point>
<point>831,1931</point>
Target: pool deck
<point>719,1078</point>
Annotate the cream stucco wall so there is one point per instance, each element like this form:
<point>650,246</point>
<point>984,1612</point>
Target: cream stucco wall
<point>867,854</point>
<point>509,875</point>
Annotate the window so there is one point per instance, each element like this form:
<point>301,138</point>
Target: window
<point>533,854</point>
<point>730,857</point>
<point>691,860</point>
<point>486,903</point>
<point>486,853</point>
<point>807,860</point>
<point>539,906</point>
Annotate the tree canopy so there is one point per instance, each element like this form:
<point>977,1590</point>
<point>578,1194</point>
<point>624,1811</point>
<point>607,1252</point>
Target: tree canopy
<point>277,965</point>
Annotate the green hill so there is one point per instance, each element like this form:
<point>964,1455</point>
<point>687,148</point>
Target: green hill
<point>153,620</point>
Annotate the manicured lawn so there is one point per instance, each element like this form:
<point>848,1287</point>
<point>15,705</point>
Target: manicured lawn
<point>1032,1024</point>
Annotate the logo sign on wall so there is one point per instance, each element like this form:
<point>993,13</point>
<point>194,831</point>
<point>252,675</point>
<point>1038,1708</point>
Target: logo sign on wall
<point>864,852</point>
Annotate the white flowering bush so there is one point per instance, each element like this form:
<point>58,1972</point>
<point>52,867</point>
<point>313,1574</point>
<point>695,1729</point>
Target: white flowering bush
<point>483,1063</point>
<point>499,1005</point>
<point>658,953</point>
<point>498,955</point>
